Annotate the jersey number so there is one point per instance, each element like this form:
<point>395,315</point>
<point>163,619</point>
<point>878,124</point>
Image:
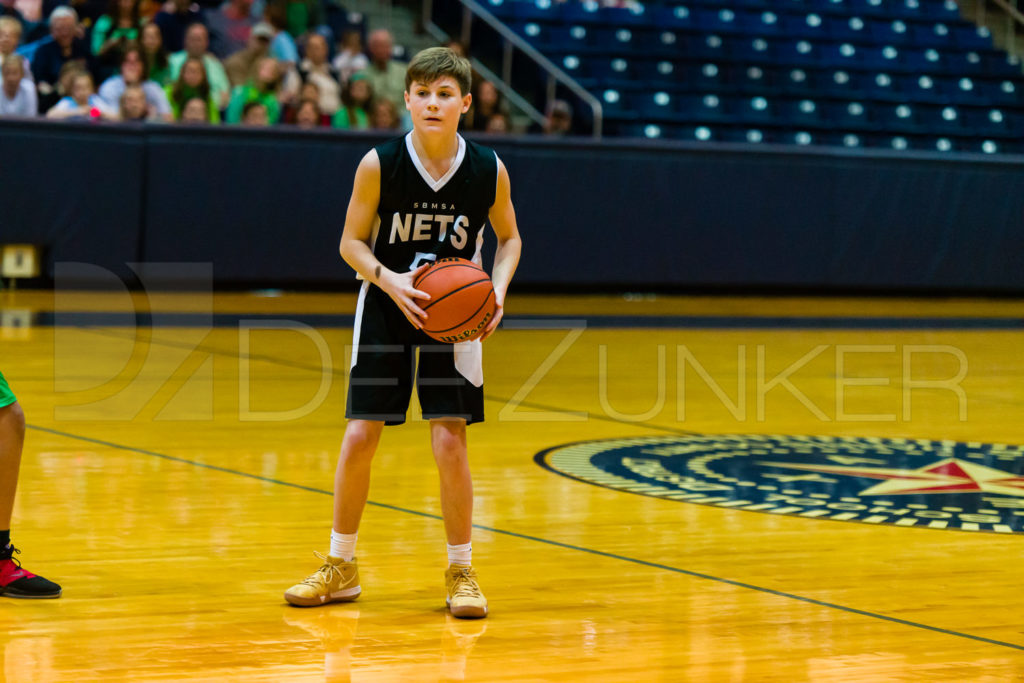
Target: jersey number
<point>421,258</point>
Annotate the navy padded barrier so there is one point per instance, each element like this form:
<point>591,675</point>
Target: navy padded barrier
<point>266,208</point>
<point>74,189</point>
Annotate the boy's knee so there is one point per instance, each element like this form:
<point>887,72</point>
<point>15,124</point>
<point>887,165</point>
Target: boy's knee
<point>361,437</point>
<point>449,438</point>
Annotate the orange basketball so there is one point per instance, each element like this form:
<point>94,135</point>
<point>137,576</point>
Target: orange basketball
<point>461,300</point>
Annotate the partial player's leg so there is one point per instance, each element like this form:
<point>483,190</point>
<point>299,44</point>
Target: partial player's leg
<point>448,440</point>
<point>337,580</point>
<point>15,581</point>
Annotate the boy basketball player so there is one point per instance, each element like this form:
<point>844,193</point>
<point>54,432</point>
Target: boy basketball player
<point>15,582</point>
<point>417,199</point>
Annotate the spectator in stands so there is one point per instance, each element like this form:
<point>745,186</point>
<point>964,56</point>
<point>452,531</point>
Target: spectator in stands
<point>309,115</point>
<point>10,37</point>
<point>498,124</point>
<point>18,94</point>
<point>174,21</point>
<point>8,9</point>
<point>301,16</point>
<point>356,97</point>
<point>67,47</point>
<point>386,76</point>
<point>558,119</point>
<point>192,84</point>
<point>265,88</point>
<point>154,54</point>
<point>317,69</point>
<point>196,111</point>
<point>133,73</point>
<point>83,103</point>
<point>113,32</point>
<point>88,11</point>
<point>241,66</point>
<point>384,115</point>
<point>282,45</point>
<point>284,50</point>
<point>230,27</point>
<point>255,114</point>
<point>350,57</point>
<point>133,105</point>
<point>487,102</point>
<point>197,44</point>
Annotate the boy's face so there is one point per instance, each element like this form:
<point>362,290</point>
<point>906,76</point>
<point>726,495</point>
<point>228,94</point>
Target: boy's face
<point>437,106</point>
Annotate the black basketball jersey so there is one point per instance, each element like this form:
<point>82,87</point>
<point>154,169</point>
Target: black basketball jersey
<point>423,220</point>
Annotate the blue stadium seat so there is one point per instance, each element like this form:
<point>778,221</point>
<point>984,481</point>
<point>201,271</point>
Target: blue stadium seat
<point>705,108</point>
<point>711,47</point>
<point>661,73</point>
<point>617,104</point>
<point>798,25</point>
<point>852,115</point>
<point>757,110</point>
<point>801,113</point>
<point>678,17</point>
<point>757,50</point>
<point>798,81</point>
<point>842,55</point>
<point>969,37</point>
<point>658,106</point>
<point>618,41</point>
<point>801,51</point>
<point>534,10</point>
<point>756,80</point>
<point>585,12</point>
<point>845,84</point>
<point>902,117</point>
<point>889,32</point>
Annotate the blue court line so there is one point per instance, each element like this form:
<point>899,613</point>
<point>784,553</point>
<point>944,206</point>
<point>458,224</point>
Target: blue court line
<point>546,541</point>
<point>330,320</point>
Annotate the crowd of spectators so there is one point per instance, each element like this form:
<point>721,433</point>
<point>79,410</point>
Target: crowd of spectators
<point>252,62</point>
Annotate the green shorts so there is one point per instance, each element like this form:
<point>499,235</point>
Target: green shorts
<point>6,395</point>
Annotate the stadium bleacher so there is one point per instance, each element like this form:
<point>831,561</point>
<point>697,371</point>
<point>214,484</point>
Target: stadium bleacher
<point>897,74</point>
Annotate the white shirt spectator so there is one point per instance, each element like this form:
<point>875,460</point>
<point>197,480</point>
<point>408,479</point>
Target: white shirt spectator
<point>24,102</point>
<point>112,89</point>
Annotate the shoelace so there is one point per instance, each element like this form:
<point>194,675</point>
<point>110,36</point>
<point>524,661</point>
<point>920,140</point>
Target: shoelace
<point>323,575</point>
<point>8,554</point>
<point>465,585</point>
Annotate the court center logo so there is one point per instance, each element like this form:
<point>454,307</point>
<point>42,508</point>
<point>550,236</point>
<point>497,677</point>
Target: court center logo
<point>902,482</point>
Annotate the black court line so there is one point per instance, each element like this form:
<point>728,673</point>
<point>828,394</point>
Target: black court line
<point>330,320</point>
<point>546,541</point>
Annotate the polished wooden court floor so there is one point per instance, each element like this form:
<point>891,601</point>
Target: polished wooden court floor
<point>181,447</point>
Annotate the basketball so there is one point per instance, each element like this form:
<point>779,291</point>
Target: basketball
<point>461,300</point>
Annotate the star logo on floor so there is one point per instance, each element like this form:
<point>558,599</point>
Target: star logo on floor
<point>946,476</point>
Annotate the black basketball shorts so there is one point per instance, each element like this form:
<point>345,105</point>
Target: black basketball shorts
<point>449,377</point>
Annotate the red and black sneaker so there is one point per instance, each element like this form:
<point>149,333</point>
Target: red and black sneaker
<point>16,582</point>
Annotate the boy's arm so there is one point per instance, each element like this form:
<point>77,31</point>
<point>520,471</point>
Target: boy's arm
<point>506,258</point>
<point>355,243</point>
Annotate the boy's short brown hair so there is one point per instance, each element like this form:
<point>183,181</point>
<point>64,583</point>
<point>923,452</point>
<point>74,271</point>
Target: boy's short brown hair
<point>436,62</point>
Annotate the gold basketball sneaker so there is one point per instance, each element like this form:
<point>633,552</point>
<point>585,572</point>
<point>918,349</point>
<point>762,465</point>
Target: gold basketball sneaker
<point>465,599</point>
<point>336,581</point>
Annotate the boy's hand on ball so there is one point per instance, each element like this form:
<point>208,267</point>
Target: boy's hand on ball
<point>399,287</point>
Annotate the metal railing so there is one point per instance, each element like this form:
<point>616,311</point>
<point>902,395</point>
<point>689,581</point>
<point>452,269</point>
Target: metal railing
<point>511,44</point>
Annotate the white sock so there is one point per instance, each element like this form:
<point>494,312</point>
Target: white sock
<point>460,554</point>
<point>343,545</point>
